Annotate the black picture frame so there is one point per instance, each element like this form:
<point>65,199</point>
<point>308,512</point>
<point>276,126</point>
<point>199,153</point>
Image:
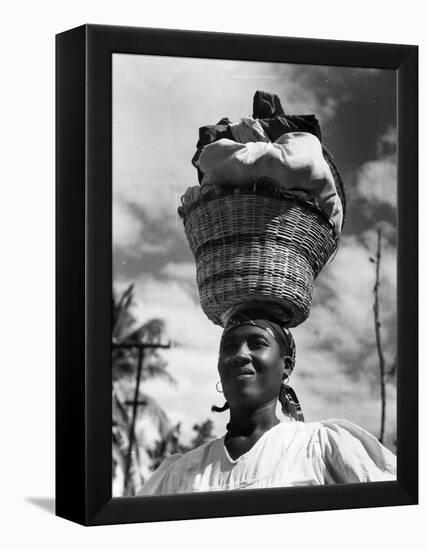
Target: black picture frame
<point>84,281</point>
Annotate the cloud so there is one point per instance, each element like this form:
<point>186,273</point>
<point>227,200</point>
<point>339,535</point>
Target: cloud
<point>377,179</point>
<point>172,301</point>
<point>126,226</point>
<point>191,400</point>
<point>158,105</point>
<point>134,235</point>
<point>387,143</point>
<point>193,358</point>
<point>337,372</point>
<point>337,364</point>
<point>183,271</point>
<point>322,90</point>
<point>377,182</point>
<point>335,395</point>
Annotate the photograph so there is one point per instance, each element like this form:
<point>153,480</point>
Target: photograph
<point>254,275</point>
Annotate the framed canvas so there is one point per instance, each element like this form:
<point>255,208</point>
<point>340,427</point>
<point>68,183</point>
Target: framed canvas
<point>129,105</point>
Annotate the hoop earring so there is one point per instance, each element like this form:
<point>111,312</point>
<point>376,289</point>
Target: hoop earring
<point>217,388</point>
<point>286,379</point>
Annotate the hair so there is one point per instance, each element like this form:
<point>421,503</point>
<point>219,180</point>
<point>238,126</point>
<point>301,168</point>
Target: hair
<point>216,409</point>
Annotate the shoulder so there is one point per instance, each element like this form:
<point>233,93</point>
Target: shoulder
<point>335,430</point>
<point>299,429</point>
<point>290,434</point>
<point>194,458</point>
<point>352,454</point>
<point>155,482</point>
<point>166,478</point>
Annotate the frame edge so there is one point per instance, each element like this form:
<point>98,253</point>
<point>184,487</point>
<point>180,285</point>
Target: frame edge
<point>70,145</point>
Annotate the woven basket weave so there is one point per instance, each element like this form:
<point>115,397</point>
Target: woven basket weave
<point>257,247</point>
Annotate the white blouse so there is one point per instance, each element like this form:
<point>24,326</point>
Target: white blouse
<point>289,454</point>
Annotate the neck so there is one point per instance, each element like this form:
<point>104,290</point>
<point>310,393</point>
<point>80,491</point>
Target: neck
<point>249,421</point>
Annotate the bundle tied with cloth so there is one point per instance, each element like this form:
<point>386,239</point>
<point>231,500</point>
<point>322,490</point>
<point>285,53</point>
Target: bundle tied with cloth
<point>267,213</point>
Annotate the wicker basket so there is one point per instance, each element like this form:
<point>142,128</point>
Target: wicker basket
<point>256,246</point>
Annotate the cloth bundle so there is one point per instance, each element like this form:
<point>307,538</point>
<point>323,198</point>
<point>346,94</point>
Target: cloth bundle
<point>285,149</point>
<point>294,161</point>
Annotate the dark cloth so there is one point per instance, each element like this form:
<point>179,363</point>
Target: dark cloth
<point>277,126</point>
<point>266,105</point>
<point>268,110</point>
<point>274,128</point>
<point>213,132</point>
<point>208,134</point>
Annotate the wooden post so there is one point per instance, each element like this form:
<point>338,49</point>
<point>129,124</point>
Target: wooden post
<point>378,339</point>
<point>135,404</point>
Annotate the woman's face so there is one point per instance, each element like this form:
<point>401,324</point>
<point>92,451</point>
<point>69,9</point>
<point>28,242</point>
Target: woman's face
<point>251,366</point>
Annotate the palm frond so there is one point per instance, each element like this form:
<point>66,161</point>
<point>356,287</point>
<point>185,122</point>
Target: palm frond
<point>150,332</point>
<point>156,412</point>
<point>122,317</point>
<point>155,370</point>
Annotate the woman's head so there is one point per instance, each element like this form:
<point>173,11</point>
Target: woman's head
<point>256,355</point>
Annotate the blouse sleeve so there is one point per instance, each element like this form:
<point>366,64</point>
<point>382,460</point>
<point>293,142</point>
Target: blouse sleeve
<point>161,481</point>
<point>353,455</point>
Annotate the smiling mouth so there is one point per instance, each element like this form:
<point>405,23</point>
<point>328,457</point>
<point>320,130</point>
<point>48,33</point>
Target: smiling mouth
<point>243,373</point>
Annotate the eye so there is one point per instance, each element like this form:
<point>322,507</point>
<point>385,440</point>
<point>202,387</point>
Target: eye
<point>259,343</point>
<point>226,347</point>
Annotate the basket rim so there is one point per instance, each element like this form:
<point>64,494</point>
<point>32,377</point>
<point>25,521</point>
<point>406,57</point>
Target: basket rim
<point>251,190</point>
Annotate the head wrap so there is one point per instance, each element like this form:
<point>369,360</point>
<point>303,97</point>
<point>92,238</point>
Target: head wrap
<point>260,319</point>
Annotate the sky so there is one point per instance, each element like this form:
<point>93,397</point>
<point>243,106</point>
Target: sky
<point>159,103</point>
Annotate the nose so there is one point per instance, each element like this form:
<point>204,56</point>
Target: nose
<point>241,356</point>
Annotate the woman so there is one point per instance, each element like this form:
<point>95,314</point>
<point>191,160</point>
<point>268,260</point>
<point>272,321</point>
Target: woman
<point>260,451</point>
